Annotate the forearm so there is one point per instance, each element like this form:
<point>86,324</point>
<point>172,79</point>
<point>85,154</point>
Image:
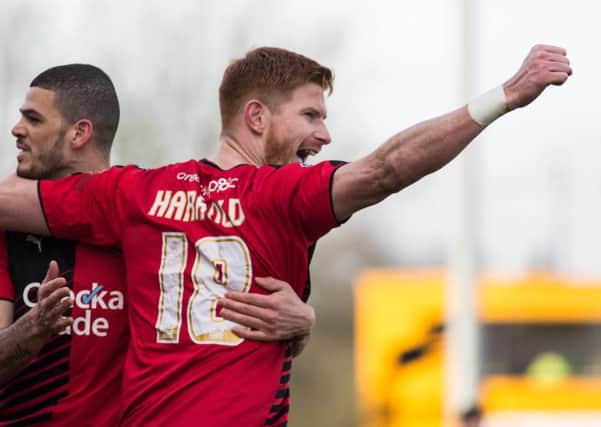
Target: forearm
<point>299,343</point>
<point>20,208</point>
<point>301,340</point>
<point>422,149</point>
<point>19,345</point>
<point>402,160</point>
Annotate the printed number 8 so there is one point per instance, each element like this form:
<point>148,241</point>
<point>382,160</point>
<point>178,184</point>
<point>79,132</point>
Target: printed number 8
<point>220,263</point>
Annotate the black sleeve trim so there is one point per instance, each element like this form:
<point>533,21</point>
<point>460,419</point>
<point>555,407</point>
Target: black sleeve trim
<point>337,164</point>
<point>7,299</point>
<point>42,206</point>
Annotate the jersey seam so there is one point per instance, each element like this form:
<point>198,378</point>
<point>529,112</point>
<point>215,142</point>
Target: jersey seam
<point>42,206</point>
<point>338,222</point>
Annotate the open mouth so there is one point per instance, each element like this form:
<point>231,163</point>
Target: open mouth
<point>303,153</point>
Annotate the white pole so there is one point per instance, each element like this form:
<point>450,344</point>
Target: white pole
<point>462,355</point>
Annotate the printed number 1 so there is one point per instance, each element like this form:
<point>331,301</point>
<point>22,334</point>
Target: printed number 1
<point>221,263</point>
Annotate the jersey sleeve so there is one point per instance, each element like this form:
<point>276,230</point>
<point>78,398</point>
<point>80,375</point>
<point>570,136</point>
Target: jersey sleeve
<point>6,284</point>
<point>88,207</point>
<point>303,196</point>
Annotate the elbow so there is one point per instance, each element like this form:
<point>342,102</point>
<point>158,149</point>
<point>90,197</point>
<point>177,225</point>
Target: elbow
<point>396,173</point>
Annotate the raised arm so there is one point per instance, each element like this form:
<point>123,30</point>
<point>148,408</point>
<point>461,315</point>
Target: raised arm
<point>426,147</point>
<point>20,208</point>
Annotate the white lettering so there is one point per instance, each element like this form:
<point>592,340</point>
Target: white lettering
<point>84,322</point>
<point>32,286</point>
<point>189,216</point>
<point>84,325</point>
<point>87,300</point>
<point>98,298</point>
<point>200,208</point>
<point>218,185</point>
<point>161,202</point>
<point>189,206</point>
<point>235,212</point>
<point>116,302</point>
<point>82,299</point>
<point>100,326</point>
<point>183,176</point>
<point>177,205</point>
<point>215,213</point>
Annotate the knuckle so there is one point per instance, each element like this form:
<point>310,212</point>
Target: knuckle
<point>271,317</point>
<point>540,55</point>
<point>271,303</point>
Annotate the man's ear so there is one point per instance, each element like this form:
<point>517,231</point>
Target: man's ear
<point>255,116</point>
<point>80,133</point>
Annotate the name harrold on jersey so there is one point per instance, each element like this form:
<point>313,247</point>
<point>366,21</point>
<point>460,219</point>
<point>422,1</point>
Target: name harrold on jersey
<point>188,206</point>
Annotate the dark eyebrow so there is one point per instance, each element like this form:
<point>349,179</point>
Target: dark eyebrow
<point>30,112</point>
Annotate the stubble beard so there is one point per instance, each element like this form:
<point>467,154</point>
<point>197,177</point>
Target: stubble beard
<point>276,150</point>
<point>48,165</point>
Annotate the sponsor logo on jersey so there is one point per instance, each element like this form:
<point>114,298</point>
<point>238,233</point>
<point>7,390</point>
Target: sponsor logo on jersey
<point>92,301</point>
<point>187,206</point>
<point>217,186</point>
<point>213,186</point>
<point>187,177</point>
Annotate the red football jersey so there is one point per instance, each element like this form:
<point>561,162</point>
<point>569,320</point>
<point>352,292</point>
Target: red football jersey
<point>188,232</point>
<point>76,378</point>
<point>6,286</point>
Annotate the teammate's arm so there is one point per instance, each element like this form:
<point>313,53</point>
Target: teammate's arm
<point>22,340</point>
<point>7,291</point>
<point>426,147</point>
<point>299,343</point>
<point>20,207</point>
<point>280,315</point>
<point>7,310</point>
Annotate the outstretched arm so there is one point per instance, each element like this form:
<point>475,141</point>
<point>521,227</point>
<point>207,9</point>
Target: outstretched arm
<point>20,208</point>
<point>280,315</point>
<point>426,147</point>
<point>22,341</point>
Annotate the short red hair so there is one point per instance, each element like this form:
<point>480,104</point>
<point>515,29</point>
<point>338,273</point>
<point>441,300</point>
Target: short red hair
<point>268,74</point>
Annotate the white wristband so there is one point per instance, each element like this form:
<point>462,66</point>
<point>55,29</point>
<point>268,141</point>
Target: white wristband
<point>489,106</point>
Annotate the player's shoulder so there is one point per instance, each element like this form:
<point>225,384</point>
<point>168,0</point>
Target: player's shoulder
<point>115,170</point>
<point>212,167</point>
<point>188,166</point>
<point>164,171</point>
<point>297,168</point>
<point>192,172</point>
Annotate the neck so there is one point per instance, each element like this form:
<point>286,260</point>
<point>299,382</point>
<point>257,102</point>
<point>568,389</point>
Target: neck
<point>231,152</point>
<point>91,165</point>
<point>82,165</point>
